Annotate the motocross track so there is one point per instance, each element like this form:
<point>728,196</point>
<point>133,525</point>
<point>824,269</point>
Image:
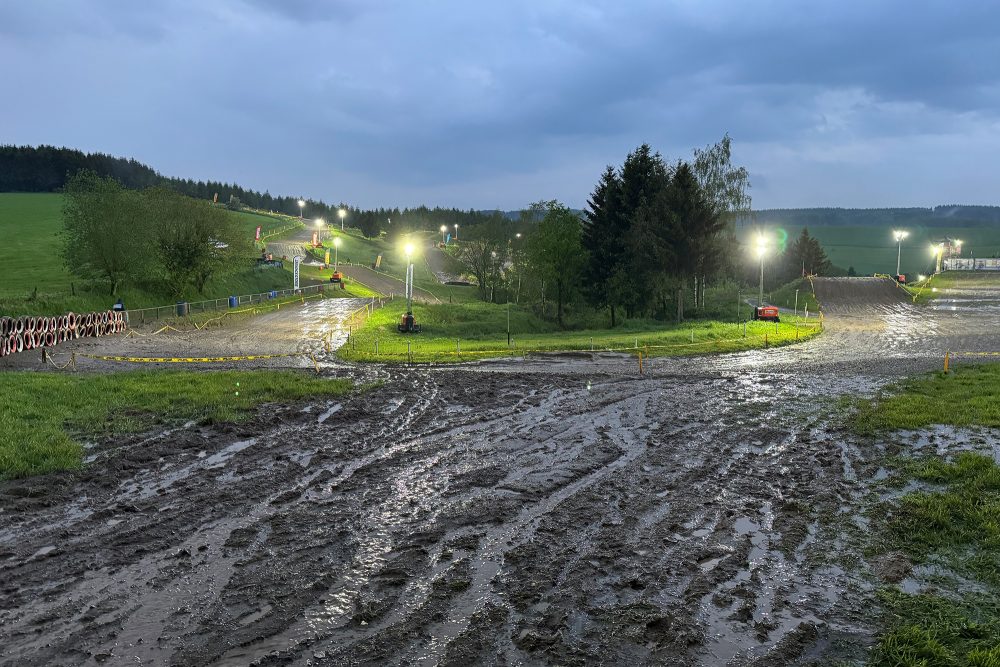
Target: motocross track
<point>557,510</point>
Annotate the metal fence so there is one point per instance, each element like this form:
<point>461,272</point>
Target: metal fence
<point>141,315</point>
<point>971,264</point>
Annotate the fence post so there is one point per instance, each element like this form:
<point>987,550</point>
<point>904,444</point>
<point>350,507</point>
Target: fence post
<point>947,356</point>
<point>458,346</point>
<point>376,347</point>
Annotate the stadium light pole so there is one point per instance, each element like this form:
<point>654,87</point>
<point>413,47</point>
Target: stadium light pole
<point>899,235</point>
<point>336,252</point>
<point>408,249</point>
<point>319,230</point>
<point>444,230</point>
<point>342,213</point>
<point>456,231</point>
<point>302,205</point>
<point>761,250</point>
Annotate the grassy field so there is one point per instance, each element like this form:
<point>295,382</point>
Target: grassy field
<point>785,296</point>
<point>463,332</point>
<point>45,414</point>
<point>30,225</point>
<point>872,250</point>
<point>967,396</point>
<point>949,522</point>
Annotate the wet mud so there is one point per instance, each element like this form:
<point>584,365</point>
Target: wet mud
<point>534,511</point>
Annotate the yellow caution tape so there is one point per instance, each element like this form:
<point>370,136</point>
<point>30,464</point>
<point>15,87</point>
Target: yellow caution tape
<point>190,360</point>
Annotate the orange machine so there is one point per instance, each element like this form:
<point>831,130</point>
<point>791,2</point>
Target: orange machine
<point>766,313</point>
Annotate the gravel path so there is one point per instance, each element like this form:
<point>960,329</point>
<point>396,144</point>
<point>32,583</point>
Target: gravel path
<point>547,511</point>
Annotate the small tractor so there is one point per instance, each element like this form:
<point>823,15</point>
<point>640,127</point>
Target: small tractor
<point>338,277</point>
<point>407,324</point>
<point>766,313</point>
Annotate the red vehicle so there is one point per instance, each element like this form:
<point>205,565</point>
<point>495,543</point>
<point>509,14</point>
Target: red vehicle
<point>766,313</point>
<point>338,277</point>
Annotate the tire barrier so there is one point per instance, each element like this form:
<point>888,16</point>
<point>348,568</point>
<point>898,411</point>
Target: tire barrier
<point>19,334</point>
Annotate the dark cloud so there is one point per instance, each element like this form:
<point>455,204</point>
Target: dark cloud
<point>475,104</point>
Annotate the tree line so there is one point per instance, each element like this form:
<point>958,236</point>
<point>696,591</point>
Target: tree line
<point>653,235</point>
<point>154,237</point>
<point>48,169</point>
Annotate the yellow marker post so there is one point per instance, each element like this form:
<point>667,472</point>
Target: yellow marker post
<point>946,360</point>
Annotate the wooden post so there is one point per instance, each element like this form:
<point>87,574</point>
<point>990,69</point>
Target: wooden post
<point>640,362</point>
<point>947,358</point>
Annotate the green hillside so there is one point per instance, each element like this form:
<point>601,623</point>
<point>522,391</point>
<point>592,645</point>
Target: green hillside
<point>36,280</point>
<point>872,249</point>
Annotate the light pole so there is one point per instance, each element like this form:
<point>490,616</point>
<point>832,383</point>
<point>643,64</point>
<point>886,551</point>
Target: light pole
<point>336,252</point>
<point>761,250</point>
<point>456,231</point>
<point>319,231</point>
<point>342,213</point>
<point>408,249</point>
<point>302,205</point>
<point>899,235</point>
<point>444,230</point>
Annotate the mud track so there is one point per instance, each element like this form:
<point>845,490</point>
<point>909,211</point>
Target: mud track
<point>527,512</point>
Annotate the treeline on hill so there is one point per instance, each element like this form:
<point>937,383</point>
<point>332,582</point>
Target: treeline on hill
<point>155,236</point>
<point>47,169</point>
<point>952,215</point>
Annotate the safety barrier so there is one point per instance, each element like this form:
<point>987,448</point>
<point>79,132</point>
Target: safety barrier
<point>18,334</point>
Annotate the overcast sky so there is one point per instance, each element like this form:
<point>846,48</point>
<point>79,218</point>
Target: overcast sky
<point>476,104</point>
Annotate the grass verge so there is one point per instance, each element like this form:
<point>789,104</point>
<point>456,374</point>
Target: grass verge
<point>967,396</point>
<point>948,615</point>
<point>950,525</point>
<point>476,330</point>
<point>46,414</point>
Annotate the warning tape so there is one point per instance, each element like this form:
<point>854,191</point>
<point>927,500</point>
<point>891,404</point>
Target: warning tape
<point>975,354</point>
<point>190,360</point>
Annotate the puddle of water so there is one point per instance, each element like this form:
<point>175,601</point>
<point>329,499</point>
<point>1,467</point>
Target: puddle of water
<point>332,410</point>
<point>223,455</point>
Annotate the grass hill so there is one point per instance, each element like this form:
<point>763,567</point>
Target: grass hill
<point>36,280</point>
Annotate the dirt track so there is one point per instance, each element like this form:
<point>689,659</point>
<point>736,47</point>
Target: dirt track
<point>537,512</point>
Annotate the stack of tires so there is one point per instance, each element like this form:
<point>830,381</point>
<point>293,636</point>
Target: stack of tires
<point>18,334</point>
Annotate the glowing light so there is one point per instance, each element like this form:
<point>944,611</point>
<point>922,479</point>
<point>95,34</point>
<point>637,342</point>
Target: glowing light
<point>761,245</point>
<point>900,234</point>
<point>301,203</point>
<point>319,222</point>
<point>408,249</point>
<point>336,242</point>
<point>444,228</point>
<point>341,213</point>
<point>921,278</point>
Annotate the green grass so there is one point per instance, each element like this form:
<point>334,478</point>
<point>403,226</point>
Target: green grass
<point>785,297</point>
<point>952,521</point>
<point>30,225</point>
<point>46,414</point>
<point>969,395</point>
<point>953,524</point>
<point>480,331</point>
<point>872,250</point>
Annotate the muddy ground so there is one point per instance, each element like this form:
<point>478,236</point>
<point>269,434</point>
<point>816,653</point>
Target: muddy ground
<point>542,511</point>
